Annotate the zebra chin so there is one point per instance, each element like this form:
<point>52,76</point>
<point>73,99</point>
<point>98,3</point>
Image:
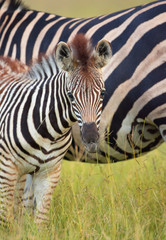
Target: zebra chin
<point>90,136</point>
<point>91,147</point>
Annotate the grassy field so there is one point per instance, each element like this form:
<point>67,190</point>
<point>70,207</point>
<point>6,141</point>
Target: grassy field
<point>122,201</point>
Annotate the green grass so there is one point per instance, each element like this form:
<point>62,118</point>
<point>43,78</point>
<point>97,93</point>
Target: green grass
<point>121,201</point>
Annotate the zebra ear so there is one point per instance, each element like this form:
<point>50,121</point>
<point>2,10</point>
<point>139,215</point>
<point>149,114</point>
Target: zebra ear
<point>64,57</point>
<point>102,53</point>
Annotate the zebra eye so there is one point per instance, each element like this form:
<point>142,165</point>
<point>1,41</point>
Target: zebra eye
<point>102,93</point>
<point>70,95</point>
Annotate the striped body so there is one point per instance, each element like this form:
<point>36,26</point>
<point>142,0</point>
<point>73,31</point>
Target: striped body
<point>30,142</point>
<point>27,130</point>
<point>36,115</point>
<point>133,118</point>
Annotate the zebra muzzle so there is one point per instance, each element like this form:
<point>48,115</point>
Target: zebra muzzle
<point>90,136</point>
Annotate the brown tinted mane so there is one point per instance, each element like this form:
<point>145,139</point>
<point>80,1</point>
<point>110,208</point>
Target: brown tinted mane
<point>82,49</point>
<point>14,65</point>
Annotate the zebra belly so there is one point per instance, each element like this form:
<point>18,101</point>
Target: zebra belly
<point>30,160</point>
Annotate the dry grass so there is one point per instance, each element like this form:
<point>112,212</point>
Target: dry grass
<point>122,201</point>
<point>119,201</point>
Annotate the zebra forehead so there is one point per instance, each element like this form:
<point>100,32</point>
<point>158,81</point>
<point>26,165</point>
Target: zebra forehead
<point>89,79</point>
<point>82,49</point>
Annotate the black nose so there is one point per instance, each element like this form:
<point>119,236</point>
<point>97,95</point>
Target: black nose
<point>89,133</point>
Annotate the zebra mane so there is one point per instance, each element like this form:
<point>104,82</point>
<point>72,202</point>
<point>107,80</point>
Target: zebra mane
<point>12,66</point>
<point>43,65</point>
<point>13,4</point>
<point>82,49</point>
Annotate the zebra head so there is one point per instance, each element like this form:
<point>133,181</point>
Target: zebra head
<point>85,89</point>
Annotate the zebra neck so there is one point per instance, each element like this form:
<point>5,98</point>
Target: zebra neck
<point>52,112</point>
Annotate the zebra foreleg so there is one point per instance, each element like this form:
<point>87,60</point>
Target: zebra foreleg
<point>24,195</point>
<point>9,176</point>
<point>44,185</point>
<point>28,196</point>
<point>19,190</point>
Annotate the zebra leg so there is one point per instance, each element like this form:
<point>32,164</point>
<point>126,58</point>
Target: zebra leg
<point>18,200</point>
<point>24,194</point>
<point>28,197</point>
<point>44,185</point>
<point>8,178</point>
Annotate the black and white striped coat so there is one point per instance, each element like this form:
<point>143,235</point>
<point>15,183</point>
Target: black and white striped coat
<point>133,118</point>
<point>38,106</point>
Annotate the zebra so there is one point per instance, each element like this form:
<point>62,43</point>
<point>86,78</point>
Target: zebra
<point>133,120</point>
<point>38,106</point>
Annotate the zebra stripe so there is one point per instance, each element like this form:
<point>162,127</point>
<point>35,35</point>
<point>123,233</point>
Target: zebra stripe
<point>36,116</point>
<point>21,136</point>
<point>137,36</point>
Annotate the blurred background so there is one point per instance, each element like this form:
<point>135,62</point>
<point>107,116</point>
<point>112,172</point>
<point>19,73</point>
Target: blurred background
<point>82,9</point>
